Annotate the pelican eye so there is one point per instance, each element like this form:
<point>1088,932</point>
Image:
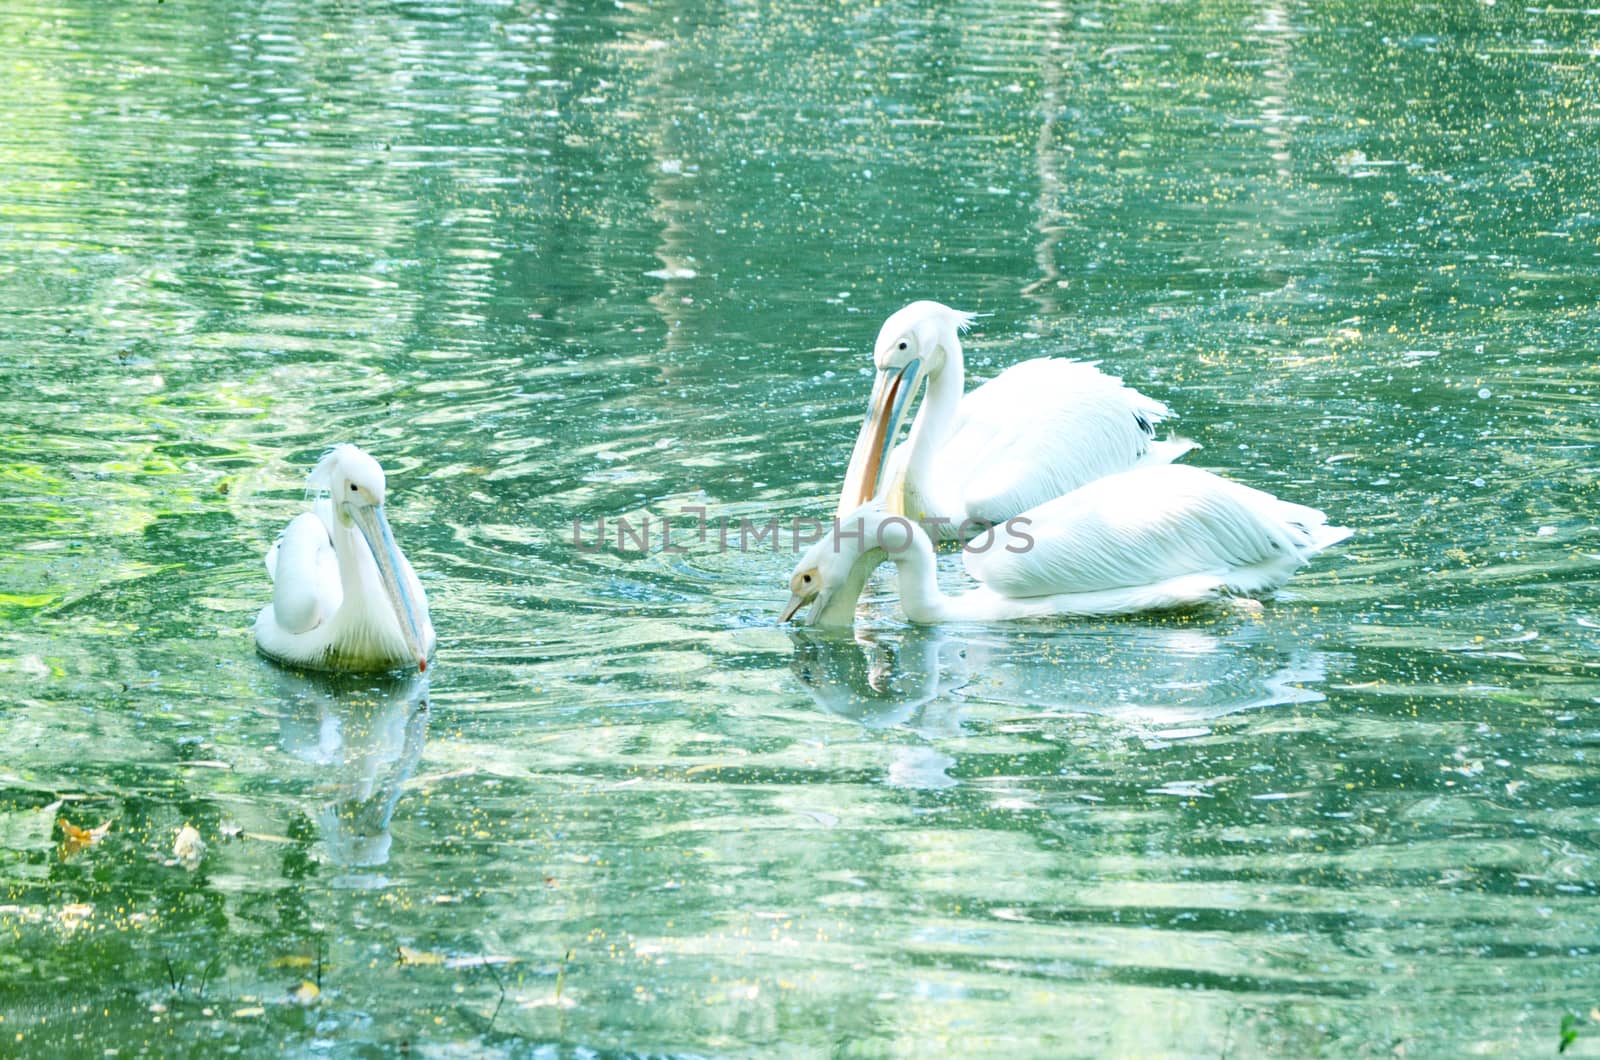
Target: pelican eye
<point>902,344</point>
<point>353,487</point>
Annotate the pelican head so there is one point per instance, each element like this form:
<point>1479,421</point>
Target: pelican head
<point>348,469</point>
<point>914,344</point>
<point>833,571</point>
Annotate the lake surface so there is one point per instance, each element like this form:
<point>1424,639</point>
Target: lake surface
<point>568,261</point>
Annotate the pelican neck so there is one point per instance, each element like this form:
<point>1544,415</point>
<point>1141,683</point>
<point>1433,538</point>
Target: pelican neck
<point>936,418</point>
<point>917,571</point>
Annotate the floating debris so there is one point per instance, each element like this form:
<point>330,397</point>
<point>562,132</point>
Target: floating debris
<point>189,849</point>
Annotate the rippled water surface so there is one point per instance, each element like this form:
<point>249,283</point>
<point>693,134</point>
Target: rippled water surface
<point>572,261</point>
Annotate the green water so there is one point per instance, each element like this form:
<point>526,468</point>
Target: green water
<point>564,261</point>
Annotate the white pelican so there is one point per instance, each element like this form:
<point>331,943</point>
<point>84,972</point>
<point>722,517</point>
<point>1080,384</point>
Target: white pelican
<point>1152,538</point>
<point>1037,430</point>
<point>343,596</point>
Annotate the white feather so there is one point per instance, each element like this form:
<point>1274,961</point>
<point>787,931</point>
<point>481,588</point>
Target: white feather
<point>1043,428</point>
<point>1144,527</point>
<point>305,575</point>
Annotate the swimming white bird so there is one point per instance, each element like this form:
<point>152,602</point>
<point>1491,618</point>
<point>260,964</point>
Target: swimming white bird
<point>1037,430</point>
<point>1149,539</point>
<point>343,595</point>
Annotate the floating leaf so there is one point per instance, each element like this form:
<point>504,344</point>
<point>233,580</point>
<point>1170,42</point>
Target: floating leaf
<point>296,961</point>
<point>306,993</point>
<point>419,957</point>
<point>1569,1032</point>
<point>252,1010</point>
<point>75,839</point>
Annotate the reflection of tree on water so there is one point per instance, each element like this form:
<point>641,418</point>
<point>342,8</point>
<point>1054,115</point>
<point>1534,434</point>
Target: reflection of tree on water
<point>367,733</point>
<point>1052,215</point>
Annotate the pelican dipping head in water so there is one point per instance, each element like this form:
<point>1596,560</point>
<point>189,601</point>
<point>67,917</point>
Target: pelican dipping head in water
<point>343,595</point>
<point>1156,537</point>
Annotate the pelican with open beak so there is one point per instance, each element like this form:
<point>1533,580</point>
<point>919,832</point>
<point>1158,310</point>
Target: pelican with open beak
<point>344,597</point>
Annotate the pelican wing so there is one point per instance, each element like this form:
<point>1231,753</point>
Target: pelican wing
<point>1151,525</point>
<point>305,575</point>
<point>1043,428</point>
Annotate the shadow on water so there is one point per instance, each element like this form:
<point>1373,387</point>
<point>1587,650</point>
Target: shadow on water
<point>364,734</point>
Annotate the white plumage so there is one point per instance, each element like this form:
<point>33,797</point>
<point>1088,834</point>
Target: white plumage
<point>1152,538</point>
<point>344,597</point>
<point>1036,431</point>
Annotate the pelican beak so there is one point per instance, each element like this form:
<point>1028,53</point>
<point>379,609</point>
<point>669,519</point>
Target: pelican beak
<point>892,394</point>
<point>374,526</point>
<point>796,602</point>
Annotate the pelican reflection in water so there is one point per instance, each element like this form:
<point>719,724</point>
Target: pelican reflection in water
<point>906,679</point>
<point>877,679</point>
<point>364,735</point>
<point>1160,679</point>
